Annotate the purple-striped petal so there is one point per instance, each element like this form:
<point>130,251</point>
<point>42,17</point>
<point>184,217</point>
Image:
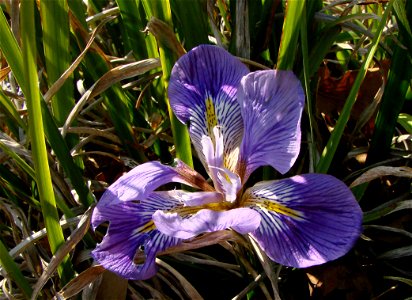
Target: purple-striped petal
<point>143,180</point>
<point>243,220</point>
<point>194,198</point>
<point>306,220</point>
<point>132,231</point>
<point>271,104</point>
<point>202,91</point>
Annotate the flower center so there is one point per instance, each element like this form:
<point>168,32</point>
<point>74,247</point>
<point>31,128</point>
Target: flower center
<point>224,180</point>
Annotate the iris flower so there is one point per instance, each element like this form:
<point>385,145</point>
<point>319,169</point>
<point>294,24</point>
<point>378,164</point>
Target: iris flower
<point>238,121</point>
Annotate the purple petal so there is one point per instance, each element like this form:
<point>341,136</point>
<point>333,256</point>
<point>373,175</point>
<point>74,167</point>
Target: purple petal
<point>202,92</point>
<point>243,220</point>
<point>131,228</point>
<point>213,154</point>
<point>229,183</point>
<point>306,220</point>
<point>271,103</point>
<point>143,180</point>
<point>195,198</point>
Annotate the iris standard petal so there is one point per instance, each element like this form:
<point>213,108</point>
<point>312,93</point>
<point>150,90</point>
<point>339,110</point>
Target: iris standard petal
<point>202,91</point>
<point>243,220</point>
<point>271,104</point>
<point>306,220</point>
<point>132,231</point>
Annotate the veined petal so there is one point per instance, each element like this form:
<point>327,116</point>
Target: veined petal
<point>271,104</point>
<point>213,154</point>
<point>131,231</point>
<point>306,220</point>
<point>243,220</point>
<point>229,183</point>
<point>194,198</point>
<point>144,179</point>
<point>202,91</point>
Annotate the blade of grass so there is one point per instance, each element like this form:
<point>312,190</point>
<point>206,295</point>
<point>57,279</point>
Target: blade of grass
<point>55,25</point>
<point>14,155</point>
<point>191,22</point>
<point>330,149</point>
<point>15,189</point>
<point>11,50</point>
<point>6,262</point>
<point>13,55</point>
<point>403,14</point>
<point>306,80</point>
<point>135,40</point>
<point>40,160</point>
<point>290,34</point>
<point>117,101</point>
<point>396,88</point>
<point>167,59</point>
<point>11,111</point>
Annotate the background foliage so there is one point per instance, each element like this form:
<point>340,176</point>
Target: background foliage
<point>83,99</point>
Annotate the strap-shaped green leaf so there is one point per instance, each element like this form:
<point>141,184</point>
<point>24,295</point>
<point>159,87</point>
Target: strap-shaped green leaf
<point>37,137</point>
<point>333,142</point>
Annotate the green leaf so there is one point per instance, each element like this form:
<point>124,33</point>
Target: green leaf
<point>6,261</point>
<point>118,103</point>
<point>132,19</point>
<point>333,142</point>
<point>396,88</point>
<point>168,56</point>
<point>290,34</point>
<point>405,121</point>
<point>55,25</point>
<point>191,22</point>
<point>306,80</point>
<point>12,115</point>
<point>11,51</point>
<point>400,279</point>
<point>38,143</point>
<point>13,55</point>
<point>402,11</point>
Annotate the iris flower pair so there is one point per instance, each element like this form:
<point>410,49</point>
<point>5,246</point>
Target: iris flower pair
<point>238,121</point>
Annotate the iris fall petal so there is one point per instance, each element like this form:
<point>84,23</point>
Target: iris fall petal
<point>243,220</point>
<point>132,230</point>
<point>306,220</point>
<point>144,179</point>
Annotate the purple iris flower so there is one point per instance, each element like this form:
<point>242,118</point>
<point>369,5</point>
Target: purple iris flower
<point>238,121</point>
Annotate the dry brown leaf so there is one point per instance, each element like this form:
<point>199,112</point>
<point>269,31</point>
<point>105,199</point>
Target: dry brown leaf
<point>77,284</point>
<point>108,79</point>
<point>187,286</point>
<point>64,249</point>
<point>111,287</point>
<point>382,171</point>
<point>165,36</point>
<point>66,74</point>
<point>332,92</point>
<point>4,72</point>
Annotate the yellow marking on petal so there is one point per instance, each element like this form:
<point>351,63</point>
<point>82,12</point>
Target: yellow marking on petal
<point>211,118</point>
<point>227,178</point>
<point>230,159</point>
<point>149,226</point>
<point>191,210</point>
<point>281,209</point>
